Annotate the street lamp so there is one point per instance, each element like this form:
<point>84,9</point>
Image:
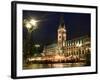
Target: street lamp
<point>28,26</point>
<point>33,22</point>
<point>31,25</point>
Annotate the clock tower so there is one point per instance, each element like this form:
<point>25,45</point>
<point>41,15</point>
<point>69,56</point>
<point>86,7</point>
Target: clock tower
<point>61,34</point>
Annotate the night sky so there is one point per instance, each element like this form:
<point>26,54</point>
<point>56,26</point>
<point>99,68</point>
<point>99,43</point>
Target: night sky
<point>77,25</point>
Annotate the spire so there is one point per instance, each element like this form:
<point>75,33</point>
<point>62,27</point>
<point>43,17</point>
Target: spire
<point>62,21</point>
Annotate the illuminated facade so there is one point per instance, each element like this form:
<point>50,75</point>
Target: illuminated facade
<point>77,46</point>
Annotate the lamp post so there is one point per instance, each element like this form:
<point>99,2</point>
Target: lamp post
<point>31,25</point>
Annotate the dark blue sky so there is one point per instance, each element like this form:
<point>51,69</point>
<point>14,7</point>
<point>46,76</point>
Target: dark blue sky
<point>77,24</point>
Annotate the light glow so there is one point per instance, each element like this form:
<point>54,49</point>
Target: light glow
<point>33,22</point>
<point>28,25</point>
<point>79,45</point>
<point>37,45</point>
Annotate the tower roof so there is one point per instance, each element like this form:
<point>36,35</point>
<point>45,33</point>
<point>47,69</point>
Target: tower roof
<point>62,24</point>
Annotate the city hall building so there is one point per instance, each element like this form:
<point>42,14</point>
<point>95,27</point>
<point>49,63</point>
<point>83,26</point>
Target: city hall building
<point>78,46</point>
